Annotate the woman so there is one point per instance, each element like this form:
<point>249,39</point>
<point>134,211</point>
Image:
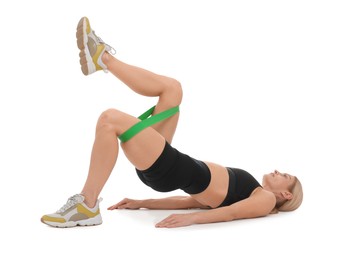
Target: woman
<point>226,193</point>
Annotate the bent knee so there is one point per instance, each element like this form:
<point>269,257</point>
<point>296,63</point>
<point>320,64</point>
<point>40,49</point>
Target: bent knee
<point>174,93</point>
<point>115,121</point>
<point>178,91</point>
<point>108,120</point>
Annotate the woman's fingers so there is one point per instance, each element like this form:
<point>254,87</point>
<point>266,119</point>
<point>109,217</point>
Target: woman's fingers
<point>176,220</point>
<point>119,205</point>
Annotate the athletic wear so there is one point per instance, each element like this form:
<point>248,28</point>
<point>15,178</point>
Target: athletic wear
<point>92,48</point>
<point>74,213</point>
<point>175,170</point>
<point>241,185</point>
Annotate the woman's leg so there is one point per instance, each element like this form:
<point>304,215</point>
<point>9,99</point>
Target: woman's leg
<point>149,84</point>
<point>142,150</point>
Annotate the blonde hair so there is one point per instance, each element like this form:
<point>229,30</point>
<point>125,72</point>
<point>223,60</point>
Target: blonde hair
<point>296,201</point>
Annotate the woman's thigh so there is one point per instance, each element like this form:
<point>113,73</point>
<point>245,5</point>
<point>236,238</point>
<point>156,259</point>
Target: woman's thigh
<point>144,149</point>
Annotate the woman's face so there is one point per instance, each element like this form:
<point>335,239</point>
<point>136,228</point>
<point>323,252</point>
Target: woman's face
<point>278,181</point>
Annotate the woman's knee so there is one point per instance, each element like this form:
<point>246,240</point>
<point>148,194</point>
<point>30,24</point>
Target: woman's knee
<point>173,94</point>
<point>109,120</point>
<point>177,88</point>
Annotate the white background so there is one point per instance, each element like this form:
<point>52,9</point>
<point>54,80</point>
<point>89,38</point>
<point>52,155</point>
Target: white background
<point>261,83</point>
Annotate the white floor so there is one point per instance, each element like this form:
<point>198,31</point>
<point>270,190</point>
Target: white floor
<point>130,234</point>
<point>261,83</point>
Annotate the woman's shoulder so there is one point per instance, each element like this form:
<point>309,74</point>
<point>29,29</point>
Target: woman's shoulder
<point>260,203</point>
<point>267,195</point>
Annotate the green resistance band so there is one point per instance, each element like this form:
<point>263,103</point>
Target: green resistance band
<point>147,120</point>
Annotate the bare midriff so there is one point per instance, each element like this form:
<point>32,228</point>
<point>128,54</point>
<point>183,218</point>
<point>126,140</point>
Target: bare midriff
<point>217,189</point>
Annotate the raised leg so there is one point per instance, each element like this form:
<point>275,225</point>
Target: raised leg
<point>149,84</point>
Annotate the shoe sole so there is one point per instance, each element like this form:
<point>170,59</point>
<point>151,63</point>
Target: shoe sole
<point>86,222</point>
<point>86,61</point>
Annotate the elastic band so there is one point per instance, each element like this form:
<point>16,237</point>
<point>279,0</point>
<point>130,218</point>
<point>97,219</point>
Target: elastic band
<point>146,121</point>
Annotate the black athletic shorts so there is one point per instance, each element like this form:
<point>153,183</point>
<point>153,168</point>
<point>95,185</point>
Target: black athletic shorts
<point>174,170</point>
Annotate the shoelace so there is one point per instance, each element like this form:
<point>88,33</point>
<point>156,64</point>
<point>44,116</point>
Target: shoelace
<point>111,49</point>
<point>71,202</point>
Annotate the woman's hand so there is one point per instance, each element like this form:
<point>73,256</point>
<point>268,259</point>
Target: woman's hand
<point>177,220</point>
<point>127,204</point>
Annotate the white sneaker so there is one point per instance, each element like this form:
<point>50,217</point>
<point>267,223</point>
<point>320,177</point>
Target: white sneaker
<point>74,213</point>
<point>91,48</point>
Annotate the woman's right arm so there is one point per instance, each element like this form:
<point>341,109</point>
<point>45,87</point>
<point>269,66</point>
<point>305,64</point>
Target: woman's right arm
<point>174,202</point>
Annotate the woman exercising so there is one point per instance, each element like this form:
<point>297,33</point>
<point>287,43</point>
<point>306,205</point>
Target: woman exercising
<point>227,193</point>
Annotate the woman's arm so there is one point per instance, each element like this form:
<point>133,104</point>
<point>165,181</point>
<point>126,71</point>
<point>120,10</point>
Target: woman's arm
<point>175,202</point>
<point>259,204</point>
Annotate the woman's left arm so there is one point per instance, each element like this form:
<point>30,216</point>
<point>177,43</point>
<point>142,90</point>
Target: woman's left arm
<point>259,204</point>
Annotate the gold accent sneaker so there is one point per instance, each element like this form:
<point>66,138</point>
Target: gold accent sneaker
<point>92,48</point>
<point>74,213</point>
